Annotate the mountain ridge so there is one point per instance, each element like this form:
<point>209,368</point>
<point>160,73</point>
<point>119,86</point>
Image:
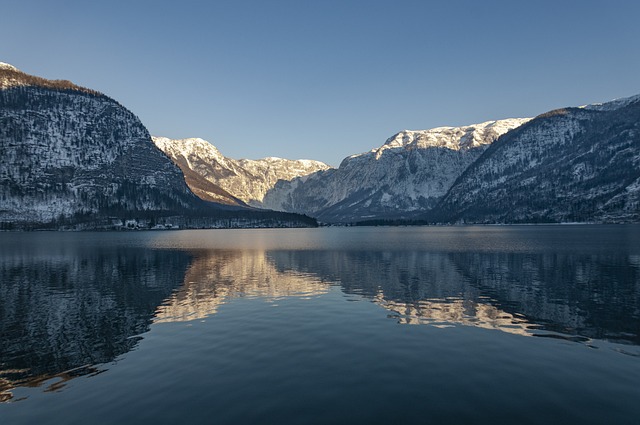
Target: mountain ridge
<point>76,158</point>
<point>567,165</point>
<point>413,171</point>
<point>72,153</point>
<point>406,174</point>
<point>231,181</point>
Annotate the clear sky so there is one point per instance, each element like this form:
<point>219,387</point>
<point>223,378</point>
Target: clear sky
<point>326,79</point>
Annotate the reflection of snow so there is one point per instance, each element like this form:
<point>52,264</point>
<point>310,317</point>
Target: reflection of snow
<point>213,279</point>
<point>441,313</point>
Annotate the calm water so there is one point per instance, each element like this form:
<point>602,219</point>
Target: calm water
<point>455,325</point>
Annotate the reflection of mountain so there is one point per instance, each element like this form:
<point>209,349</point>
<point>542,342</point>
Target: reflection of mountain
<point>442,313</point>
<point>64,308</point>
<point>596,296</point>
<point>216,276</point>
<point>403,276</point>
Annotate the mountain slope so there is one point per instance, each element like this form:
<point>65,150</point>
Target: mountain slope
<point>573,164</point>
<point>70,151</point>
<point>72,155</point>
<point>405,176</point>
<point>213,176</point>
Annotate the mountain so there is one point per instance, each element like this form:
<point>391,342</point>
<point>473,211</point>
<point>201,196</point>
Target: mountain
<point>573,164</point>
<point>212,176</point>
<point>71,155</point>
<point>407,175</point>
<point>69,151</point>
<point>402,178</point>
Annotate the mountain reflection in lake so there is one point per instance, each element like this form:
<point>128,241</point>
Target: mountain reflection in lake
<point>73,305</point>
<point>215,276</point>
<point>66,308</point>
<point>594,296</point>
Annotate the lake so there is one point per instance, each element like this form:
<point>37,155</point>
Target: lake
<point>433,325</point>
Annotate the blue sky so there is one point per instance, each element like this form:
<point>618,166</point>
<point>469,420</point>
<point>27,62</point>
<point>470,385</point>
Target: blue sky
<point>326,79</point>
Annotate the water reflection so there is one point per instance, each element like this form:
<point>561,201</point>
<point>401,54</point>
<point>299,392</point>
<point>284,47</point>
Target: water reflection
<point>66,308</point>
<point>577,295</point>
<point>594,296</point>
<point>63,308</point>
<point>216,276</point>
<point>416,287</point>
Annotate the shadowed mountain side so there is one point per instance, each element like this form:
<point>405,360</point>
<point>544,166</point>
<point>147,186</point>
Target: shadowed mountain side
<point>205,189</point>
<point>76,159</point>
<point>568,165</point>
<point>72,154</point>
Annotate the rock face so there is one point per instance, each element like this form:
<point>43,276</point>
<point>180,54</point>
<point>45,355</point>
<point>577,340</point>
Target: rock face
<point>73,155</point>
<point>75,158</point>
<point>212,176</point>
<point>70,152</point>
<point>405,176</point>
<point>574,164</point>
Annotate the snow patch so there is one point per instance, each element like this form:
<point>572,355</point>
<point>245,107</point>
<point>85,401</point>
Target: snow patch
<point>4,65</point>
<point>246,179</point>
<point>613,104</point>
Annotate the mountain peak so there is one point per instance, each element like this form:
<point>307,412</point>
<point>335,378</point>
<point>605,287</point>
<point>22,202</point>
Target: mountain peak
<point>613,104</point>
<point>9,67</point>
<point>463,137</point>
<point>246,180</point>
<point>10,77</point>
<point>187,146</point>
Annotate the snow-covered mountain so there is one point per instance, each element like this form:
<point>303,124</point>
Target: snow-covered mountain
<point>213,176</point>
<point>72,155</point>
<point>68,151</point>
<point>408,174</point>
<point>613,104</point>
<point>573,164</point>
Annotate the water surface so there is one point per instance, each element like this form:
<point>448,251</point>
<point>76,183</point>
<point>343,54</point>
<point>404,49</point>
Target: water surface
<point>519,324</point>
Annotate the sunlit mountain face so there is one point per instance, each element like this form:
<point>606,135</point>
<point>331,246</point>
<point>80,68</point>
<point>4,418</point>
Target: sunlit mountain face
<point>75,159</point>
